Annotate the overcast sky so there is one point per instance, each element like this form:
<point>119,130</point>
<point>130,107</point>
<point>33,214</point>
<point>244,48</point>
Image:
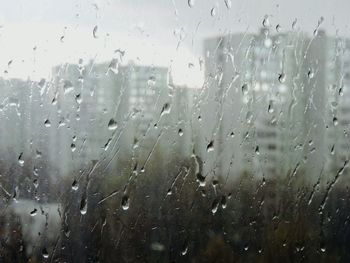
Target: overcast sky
<point>38,34</point>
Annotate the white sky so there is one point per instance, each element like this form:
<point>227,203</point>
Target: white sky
<point>148,30</point>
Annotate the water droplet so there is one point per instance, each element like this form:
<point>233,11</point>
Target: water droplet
<point>191,3</point>
<point>78,98</point>
<point>151,82</point>
<point>75,185</point>
<point>33,212</point>
<point>310,74</point>
<point>266,22</point>
<point>83,206</point>
<point>215,206</point>
<point>94,31</point>
<point>228,4</point>
<point>335,121</point>
<point>73,147</point>
<point>20,159</point>
<point>341,93</point>
<point>210,146</point>
<point>44,253</point>
<point>257,151</point>
<point>278,28</point>
<point>112,124</point>
<point>270,109</point>
<point>166,109</point>
<point>200,179</point>
<point>184,248</point>
<point>47,123</point>
<point>181,132</point>
<point>223,202</point>
<point>245,89</point>
<point>249,117</point>
<point>213,12</point>
<point>125,202</point>
<point>67,86</point>
<point>282,78</point>
<point>36,183</point>
<point>294,24</point>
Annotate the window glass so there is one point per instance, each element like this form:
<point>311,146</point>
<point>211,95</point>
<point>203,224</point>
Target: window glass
<point>174,131</point>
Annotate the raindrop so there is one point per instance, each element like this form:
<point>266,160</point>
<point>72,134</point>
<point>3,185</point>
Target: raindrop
<point>228,4</point>
<point>181,132</point>
<point>151,82</point>
<point>75,185</point>
<point>191,3</point>
<point>125,202</point>
<point>341,91</point>
<point>310,74</point>
<point>73,147</point>
<point>184,248</point>
<point>282,78</point>
<point>67,86</point>
<point>249,117</point>
<point>113,66</point>
<point>294,23</point>
<point>257,151</point>
<point>270,109</point>
<point>335,121</point>
<point>45,253</point>
<point>245,89</point>
<point>210,146</point>
<point>200,179</point>
<point>94,31</point>
<point>215,206</point>
<point>36,183</point>
<point>223,202</point>
<point>112,124</point>
<point>20,159</point>
<point>33,212</point>
<point>332,149</point>
<point>83,206</point>
<point>266,22</point>
<point>165,109</point>
<point>213,12</point>
<point>78,98</point>
<point>47,123</point>
<point>278,28</point>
